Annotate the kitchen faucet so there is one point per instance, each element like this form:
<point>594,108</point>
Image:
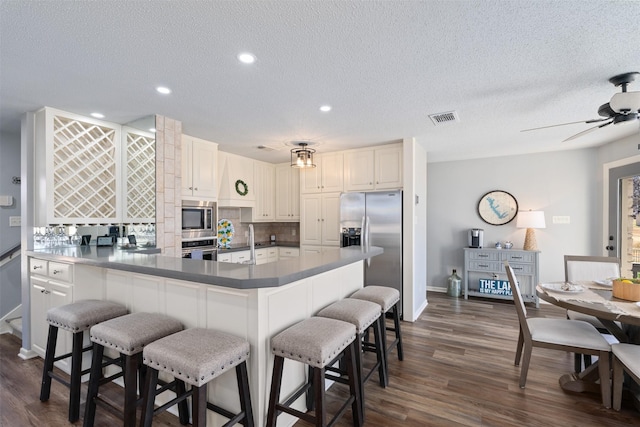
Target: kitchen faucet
<point>252,246</point>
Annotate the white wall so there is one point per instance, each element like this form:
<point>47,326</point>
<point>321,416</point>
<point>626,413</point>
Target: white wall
<point>414,244</point>
<point>9,236</point>
<point>564,183</point>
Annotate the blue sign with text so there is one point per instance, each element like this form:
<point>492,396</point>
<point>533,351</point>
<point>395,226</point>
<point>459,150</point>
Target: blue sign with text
<point>495,287</point>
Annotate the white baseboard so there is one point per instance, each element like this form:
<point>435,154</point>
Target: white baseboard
<point>27,354</point>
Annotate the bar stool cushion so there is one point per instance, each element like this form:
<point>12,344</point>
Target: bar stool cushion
<point>358,312</point>
<point>384,296</point>
<point>82,315</point>
<point>196,356</point>
<point>315,341</point>
<point>129,334</point>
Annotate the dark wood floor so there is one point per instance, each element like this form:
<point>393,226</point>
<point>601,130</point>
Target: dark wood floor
<point>458,371</point>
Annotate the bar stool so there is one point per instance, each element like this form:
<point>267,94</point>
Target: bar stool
<point>128,335</point>
<point>362,314</point>
<point>197,356</point>
<point>388,299</point>
<point>76,318</point>
<point>317,342</point>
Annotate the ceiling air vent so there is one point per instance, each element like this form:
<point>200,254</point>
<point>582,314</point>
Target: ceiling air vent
<point>443,118</point>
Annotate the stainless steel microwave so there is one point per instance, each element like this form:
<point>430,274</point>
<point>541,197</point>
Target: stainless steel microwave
<point>198,219</point>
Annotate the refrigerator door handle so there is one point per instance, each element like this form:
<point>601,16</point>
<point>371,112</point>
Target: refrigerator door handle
<point>366,238</point>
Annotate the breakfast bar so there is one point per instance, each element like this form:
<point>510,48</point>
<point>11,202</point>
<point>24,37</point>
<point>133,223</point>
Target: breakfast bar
<point>254,302</point>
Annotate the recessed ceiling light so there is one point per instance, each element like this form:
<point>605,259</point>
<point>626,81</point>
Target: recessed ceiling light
<point>163,90</point>
<point>325,108</point>
<point>97,115</point>
<point>246,58</point>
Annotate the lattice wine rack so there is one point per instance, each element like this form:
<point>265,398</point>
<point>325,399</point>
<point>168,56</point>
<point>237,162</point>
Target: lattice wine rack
<point>140,178</point>
<point>85,171</point>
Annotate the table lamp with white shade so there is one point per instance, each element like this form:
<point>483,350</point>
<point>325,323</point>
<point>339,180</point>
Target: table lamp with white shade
<point>530,220</point>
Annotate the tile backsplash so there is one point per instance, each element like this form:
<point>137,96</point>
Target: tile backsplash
<point>288,232</point>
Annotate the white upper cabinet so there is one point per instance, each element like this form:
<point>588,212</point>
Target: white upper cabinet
<point>78,169</point>
<point>236,181</point>
<point>264,210</point>
<point>287,193</point>
<point>320,219</point>
<point>373,168</point>
<point>199,165</point>
<point>326,177</point>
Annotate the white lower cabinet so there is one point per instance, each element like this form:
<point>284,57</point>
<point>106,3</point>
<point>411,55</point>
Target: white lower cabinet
<point>225,257</point>
<point>240,257</point>
<point>284,252</point>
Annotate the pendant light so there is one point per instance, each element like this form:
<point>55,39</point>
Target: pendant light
<point>302,156</point>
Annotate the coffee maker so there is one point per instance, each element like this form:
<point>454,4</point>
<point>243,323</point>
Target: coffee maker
<point>351,237</point>
<point>476,237</point>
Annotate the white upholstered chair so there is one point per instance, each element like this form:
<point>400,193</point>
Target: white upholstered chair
<point>559,334</point>
<point>626,358</point>
<point>578,268</point>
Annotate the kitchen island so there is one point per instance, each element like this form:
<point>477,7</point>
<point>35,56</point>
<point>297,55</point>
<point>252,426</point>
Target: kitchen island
<point>252,301</point>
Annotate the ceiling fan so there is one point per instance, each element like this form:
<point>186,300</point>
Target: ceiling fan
<point>623,107</point>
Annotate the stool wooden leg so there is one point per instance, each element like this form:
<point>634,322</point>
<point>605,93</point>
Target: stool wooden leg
<point>359,374</point>
<point>94,379</point>
<point>75,380</point>
<point>378,328</point>
<point>149,397</point>
<point>353,384</point>
<point>130,388</point>
<point>396,325</point>
<point>45,388</point>
<point>183,406</point>
<point>319,400</point>
<point>274,395</point>
<point>245,395</point>
<point>199,406</point>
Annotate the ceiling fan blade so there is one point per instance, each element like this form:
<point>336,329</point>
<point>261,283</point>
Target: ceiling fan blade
<point>584,132</point>
<point>564,124</point>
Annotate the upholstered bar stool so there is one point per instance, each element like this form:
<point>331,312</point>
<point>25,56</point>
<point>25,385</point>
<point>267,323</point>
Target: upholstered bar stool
<point>197,356</point>
<point>362,314</point>
<point>317,342</point>
<point>76,318</point>
<point>128,335</point>
<point>388,299</point>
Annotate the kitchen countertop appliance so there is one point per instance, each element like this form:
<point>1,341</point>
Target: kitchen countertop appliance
<point>199,219</point>
<point>476,237</point>
<point>200,248</point>
<point>375,219</point>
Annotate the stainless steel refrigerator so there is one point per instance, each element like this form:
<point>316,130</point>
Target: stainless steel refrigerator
<point>375,219</point>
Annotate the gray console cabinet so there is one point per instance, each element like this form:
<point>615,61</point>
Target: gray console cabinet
<point>487,263</point>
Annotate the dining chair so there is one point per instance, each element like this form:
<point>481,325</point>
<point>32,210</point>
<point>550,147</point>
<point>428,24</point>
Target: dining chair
<point>626,358</point>
<point>558,334</point>
<point>578,268</point>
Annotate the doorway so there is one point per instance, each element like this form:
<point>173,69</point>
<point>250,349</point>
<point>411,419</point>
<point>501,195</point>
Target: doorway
<point>624,218</point>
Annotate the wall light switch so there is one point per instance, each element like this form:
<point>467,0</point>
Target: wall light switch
<point>561,219</point>
<point>6,200</point>
<point>14,221</point>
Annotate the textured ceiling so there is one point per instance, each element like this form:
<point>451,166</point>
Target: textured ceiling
<point>384,66</point>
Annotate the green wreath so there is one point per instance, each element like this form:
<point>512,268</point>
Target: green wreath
<point>241,187</point>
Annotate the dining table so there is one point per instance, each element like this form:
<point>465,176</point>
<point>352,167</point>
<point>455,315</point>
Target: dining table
<point>620,317</point>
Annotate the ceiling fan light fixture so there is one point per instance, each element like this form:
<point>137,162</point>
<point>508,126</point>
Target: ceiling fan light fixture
<point>302,156</point>
<point>625,102</point>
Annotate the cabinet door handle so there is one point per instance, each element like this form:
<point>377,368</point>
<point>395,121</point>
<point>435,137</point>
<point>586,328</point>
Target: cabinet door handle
<point>57,271</point>
<point>516,257</point>
<point>483,265</point>
<point>196,188</point>
<point>44,291</point>
<point>190,188</point>
<point>36,267</point>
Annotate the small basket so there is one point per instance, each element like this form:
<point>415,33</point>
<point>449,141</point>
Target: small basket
<point>625,290</point>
